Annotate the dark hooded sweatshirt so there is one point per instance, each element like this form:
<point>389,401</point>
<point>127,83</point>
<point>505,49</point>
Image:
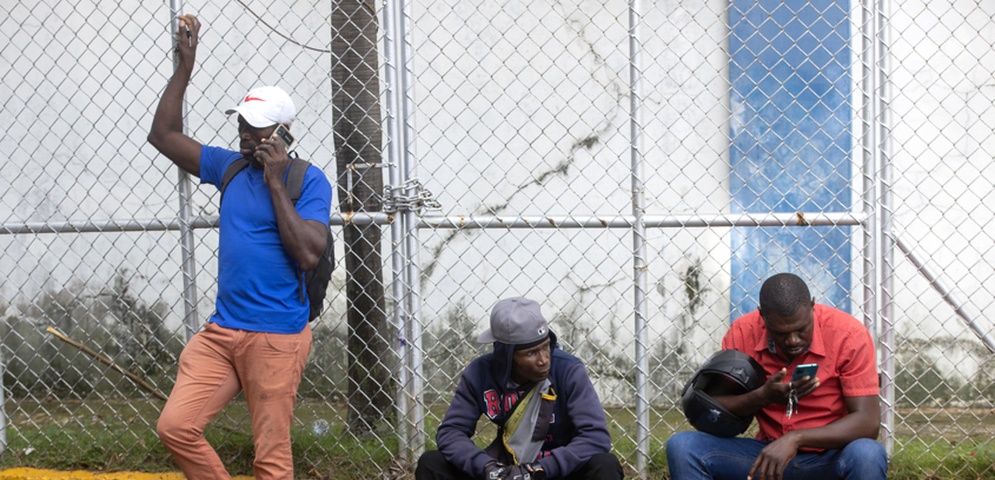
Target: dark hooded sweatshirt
<point>578,429</point>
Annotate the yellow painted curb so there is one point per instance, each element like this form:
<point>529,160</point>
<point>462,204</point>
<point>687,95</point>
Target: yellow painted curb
<point>37,474</point>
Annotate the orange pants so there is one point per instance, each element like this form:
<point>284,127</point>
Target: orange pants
<point>217,364</point>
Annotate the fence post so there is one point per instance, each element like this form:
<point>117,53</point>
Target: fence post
<point>639,250</point>
<point>887,316</point>
<point>189,268</point>
<point>404,231</point>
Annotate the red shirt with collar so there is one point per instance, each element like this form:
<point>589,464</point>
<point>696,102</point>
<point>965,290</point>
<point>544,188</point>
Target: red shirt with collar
<point>842,347</point>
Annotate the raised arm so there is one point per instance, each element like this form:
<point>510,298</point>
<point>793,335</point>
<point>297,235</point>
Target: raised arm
<point>166,133</point>
<point>303,239</point>
<point>748,404</point>
<point>455,434</point>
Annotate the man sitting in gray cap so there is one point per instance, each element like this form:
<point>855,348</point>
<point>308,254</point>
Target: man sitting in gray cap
<point>550,421</point>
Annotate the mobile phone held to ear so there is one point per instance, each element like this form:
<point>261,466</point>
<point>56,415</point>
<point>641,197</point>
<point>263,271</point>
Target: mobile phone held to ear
<point>805,370</point>
<point>283,135</point>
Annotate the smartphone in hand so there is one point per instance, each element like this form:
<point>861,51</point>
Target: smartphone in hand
<point>283,135</point>
<point>805,370</point>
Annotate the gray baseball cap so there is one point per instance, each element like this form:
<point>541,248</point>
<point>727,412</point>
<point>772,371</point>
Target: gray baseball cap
<point>516,321</point>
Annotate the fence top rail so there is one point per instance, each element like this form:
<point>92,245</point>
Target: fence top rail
<point>798,219</point>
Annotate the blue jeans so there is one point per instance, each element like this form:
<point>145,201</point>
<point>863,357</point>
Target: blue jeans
<point>700,456</point>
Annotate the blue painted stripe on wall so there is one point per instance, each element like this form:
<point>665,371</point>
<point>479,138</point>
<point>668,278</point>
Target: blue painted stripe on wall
<point>791,142</point>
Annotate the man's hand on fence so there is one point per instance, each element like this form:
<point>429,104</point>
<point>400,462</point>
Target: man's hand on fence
<point>187,38</point>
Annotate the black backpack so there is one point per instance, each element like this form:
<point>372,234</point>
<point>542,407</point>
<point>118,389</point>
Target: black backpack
<point>317,278</point>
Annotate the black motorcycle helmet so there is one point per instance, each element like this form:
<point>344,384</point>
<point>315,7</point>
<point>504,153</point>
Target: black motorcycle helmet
<point>705,414</point>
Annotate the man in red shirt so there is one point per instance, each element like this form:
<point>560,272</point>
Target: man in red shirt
<point>812,428</point>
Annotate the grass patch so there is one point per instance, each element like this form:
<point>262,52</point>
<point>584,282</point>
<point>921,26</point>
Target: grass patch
<point>917,460</point>
<point>98,437</point>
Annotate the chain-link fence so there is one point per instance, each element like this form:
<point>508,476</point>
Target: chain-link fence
<point>638,167</point>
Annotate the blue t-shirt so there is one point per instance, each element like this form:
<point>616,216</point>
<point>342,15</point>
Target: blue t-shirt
<point>259,286</point>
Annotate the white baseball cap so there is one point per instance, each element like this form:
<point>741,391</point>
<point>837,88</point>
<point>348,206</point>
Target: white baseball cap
<point>266,106</point>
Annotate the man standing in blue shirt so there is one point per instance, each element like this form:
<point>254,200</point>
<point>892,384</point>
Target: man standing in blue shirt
<point>258,339</point>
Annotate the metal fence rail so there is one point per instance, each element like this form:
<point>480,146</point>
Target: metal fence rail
<point>638,167</point>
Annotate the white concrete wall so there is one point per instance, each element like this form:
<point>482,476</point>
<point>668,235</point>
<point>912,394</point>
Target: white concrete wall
<point>505,93</point>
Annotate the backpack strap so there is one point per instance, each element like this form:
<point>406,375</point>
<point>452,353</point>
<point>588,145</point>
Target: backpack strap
<point>295,178</point>
<point>230,172</point>
<point>294,183</point>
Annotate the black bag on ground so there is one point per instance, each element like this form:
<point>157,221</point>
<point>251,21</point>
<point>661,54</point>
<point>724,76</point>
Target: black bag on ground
<point>315,280</point>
